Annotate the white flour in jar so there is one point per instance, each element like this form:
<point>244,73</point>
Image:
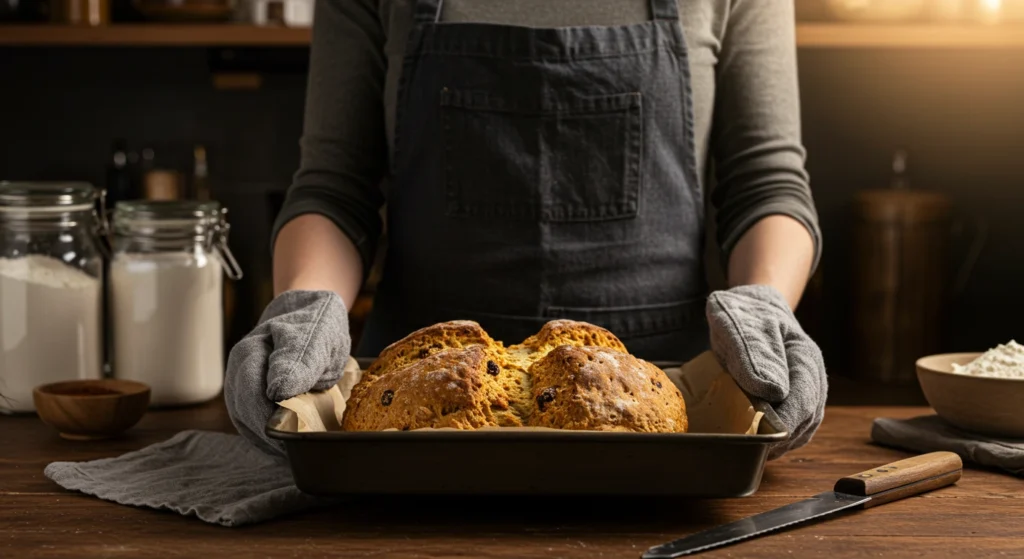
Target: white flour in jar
<point>50,327</point>
<point>1003,361</point>
<point>167,318</point>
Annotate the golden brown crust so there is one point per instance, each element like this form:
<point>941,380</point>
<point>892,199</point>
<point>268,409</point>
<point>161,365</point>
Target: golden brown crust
<point>457,334</point>
<point>570,332</point>
<point>427,341</point>
<point>558,333</point>
<point>600,389</point>
<point>570,375</point>
<point>452,388</point>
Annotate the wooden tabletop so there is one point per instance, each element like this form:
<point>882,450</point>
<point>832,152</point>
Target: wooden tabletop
<point>980,516</point>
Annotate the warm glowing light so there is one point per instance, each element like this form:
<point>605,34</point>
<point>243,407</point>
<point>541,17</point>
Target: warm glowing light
<point>990,11</point>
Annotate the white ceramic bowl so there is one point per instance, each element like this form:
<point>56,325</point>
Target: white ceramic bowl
<point>985,405</point>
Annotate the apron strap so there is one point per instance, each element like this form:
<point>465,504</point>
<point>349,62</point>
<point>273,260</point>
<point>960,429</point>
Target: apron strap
<point>429,11</point>
<point>664,10</point>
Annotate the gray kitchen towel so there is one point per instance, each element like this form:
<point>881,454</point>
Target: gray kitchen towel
<point>300,344</point>
<point>930,433</point>
<point>760,342</point>
<point>217,477</point>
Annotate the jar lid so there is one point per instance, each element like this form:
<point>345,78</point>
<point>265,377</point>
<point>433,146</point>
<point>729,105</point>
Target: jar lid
<point>167,219</point>
<point>64,195</point>
<point>159,220</point>
<point>159,210</point>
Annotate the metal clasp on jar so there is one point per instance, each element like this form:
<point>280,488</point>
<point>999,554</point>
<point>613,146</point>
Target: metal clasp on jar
<point>102,230</point>
<point>219,242</point>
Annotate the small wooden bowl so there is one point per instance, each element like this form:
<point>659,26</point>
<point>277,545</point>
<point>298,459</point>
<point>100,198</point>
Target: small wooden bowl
<point>91,409</point>
<point>985,405</point>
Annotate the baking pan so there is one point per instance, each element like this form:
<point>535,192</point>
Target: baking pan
<point>494,462</point>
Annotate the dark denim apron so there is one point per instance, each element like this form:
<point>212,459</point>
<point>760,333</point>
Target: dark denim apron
<point>542,174</point>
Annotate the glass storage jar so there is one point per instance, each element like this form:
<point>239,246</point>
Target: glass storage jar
<point>51,268</point>
<point>166,297</point>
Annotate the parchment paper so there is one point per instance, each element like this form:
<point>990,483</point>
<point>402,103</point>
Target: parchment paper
<point>714,403</point>
<point>323,411</point>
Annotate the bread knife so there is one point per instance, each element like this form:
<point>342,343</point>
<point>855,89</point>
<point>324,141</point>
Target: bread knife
<point>867,489</point>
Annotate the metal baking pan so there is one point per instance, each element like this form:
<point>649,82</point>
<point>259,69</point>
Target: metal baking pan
<point>470,463</point>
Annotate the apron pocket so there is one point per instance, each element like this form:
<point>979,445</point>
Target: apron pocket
<point>561,159</point>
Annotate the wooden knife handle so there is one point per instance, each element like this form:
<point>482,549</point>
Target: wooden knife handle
<point>905,478</point>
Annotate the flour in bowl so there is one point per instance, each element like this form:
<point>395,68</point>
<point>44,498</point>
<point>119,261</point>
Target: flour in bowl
<point>1003,361</point>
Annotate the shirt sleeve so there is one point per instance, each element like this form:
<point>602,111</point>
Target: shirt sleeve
<point>756,138</point>
<point>343,145</point>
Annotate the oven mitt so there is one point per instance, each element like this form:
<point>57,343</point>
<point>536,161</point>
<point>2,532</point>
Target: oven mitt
<point>760,342</point>
<point>929,433</point>
<point>300,344</point>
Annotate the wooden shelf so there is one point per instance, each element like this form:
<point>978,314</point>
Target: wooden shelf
<point>849,36</point>
<point>153,35</point>
<point>809,35</point>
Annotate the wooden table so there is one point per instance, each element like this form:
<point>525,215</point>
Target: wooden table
<point>982,516</point>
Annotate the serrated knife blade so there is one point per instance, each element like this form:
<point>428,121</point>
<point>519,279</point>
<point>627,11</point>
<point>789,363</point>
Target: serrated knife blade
<point>815,507</point>
<point>869,488</point>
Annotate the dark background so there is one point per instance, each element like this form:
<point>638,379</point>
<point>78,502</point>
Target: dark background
<point>959,113</point>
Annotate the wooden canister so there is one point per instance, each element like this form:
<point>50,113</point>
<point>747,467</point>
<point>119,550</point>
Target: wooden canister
<point>900,280</point>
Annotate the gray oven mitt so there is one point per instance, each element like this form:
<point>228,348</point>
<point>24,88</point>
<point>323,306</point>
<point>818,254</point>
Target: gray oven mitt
<point>300,344</point>
<point>760,342</point>
<point>929,433</point>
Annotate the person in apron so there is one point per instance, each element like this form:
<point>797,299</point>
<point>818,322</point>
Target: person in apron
<point>529,185</point>
<point>537,173</point>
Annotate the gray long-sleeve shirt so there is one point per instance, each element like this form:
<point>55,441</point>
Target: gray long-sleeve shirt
<point>744,80</point>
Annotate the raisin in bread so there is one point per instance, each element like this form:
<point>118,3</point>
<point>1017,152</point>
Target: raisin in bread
<point>570,375</point>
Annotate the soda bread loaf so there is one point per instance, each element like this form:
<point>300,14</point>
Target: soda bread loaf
<point>570,375</point>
